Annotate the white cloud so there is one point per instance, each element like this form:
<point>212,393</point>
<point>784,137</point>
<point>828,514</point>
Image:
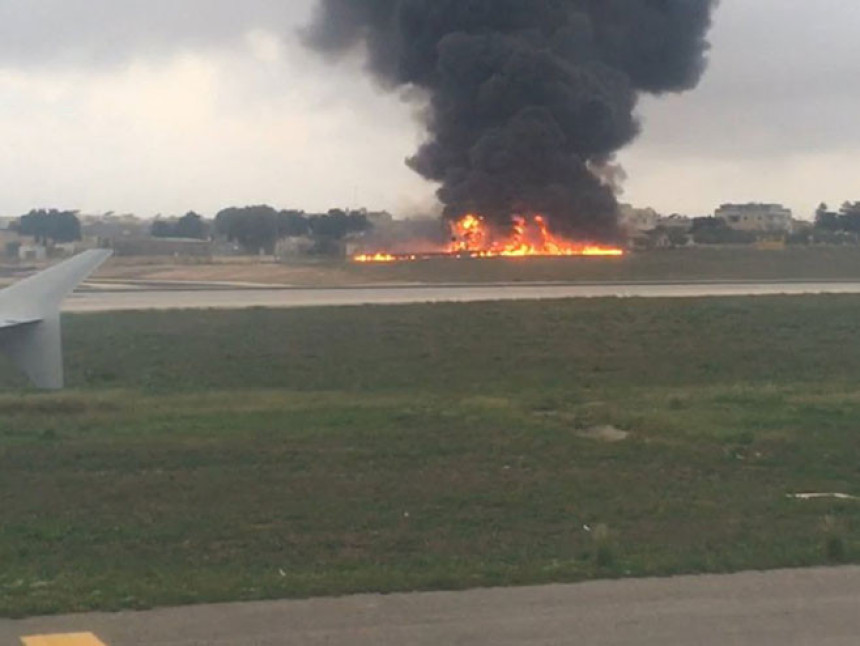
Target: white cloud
<point>263,122</point>
<point>266,46</point>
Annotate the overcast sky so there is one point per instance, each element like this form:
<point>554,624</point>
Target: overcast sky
<point>165,106</point>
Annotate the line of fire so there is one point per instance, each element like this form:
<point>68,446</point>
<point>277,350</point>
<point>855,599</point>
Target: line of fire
<point>473,237</point>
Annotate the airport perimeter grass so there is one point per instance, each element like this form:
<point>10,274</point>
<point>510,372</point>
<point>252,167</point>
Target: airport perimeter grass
<point>698,263</point>
<point>720,263</point>
<point>212,456</point>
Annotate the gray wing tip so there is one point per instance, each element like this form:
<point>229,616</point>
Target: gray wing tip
<point>29,316</point>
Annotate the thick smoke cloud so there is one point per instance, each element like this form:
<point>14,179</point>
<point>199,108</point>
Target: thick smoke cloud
<point>526,97</point>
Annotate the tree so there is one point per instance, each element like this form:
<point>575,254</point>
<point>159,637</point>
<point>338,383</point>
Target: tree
<point>849,217</point>
<point>338,224</point>
<point>329,230</point>
<point>50,227</point>
<point>255,228</point>
<point>675,236</point>
<point>293,224</point>
<point>161,229</point>
<point>825,219</point>
<point>191,226</point>
<point>258,228</point>
<point>714,231</point>
<point>838,228</point>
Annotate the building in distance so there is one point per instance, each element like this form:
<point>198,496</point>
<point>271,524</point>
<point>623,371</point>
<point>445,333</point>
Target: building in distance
<point>756,218</point>
<point>676,222</point>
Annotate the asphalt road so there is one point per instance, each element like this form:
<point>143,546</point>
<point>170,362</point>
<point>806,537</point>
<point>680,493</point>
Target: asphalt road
<point>787,608</point>
<point>202,298</point>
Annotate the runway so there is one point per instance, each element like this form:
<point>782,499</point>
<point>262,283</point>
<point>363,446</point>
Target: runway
<point>200,297</point>
<point>787,608</point>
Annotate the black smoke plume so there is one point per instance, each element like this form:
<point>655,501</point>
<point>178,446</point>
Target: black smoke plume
<point>526,97</point>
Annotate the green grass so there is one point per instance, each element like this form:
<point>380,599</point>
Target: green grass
<point>214,456</point>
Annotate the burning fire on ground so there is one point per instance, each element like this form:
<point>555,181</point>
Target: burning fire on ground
<point>472,237</point>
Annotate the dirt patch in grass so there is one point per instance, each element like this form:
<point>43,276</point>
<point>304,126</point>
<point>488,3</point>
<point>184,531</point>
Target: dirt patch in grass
<point>607,433</point>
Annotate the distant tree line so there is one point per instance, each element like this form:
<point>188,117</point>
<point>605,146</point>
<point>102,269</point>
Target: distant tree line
<point>716,231</point>
<point>49,226</point>
<point>257,229</point>
<point>832,227</point>
<point>846,220</point>
<point>191,226</point>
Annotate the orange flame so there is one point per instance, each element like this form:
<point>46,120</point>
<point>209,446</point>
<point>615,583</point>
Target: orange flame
<point>473,237</point>
<point>375,258</point>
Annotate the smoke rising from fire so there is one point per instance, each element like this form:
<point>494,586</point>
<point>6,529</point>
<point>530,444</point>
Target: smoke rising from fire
<point>526,97</point>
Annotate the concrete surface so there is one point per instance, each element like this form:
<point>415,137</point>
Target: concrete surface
<point>105,300</point>
<point>789,608</point>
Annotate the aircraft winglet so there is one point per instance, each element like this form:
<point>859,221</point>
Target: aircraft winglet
<point>30,317</point>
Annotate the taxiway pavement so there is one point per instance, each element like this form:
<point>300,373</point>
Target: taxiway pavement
<point>786,608</point>
<point>200,297</point>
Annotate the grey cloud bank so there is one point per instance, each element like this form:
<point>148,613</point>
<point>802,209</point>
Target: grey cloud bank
<point>165,106</point>
<point>94,32</point>
<point>773,120</point>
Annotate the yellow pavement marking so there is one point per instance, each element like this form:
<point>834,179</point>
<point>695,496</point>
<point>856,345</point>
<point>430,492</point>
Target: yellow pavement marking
<point>78,639</point>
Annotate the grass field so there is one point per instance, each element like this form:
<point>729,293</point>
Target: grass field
<point>701,263</point>
<point>211,456</point>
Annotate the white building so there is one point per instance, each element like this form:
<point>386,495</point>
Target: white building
<point>759,218</point>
